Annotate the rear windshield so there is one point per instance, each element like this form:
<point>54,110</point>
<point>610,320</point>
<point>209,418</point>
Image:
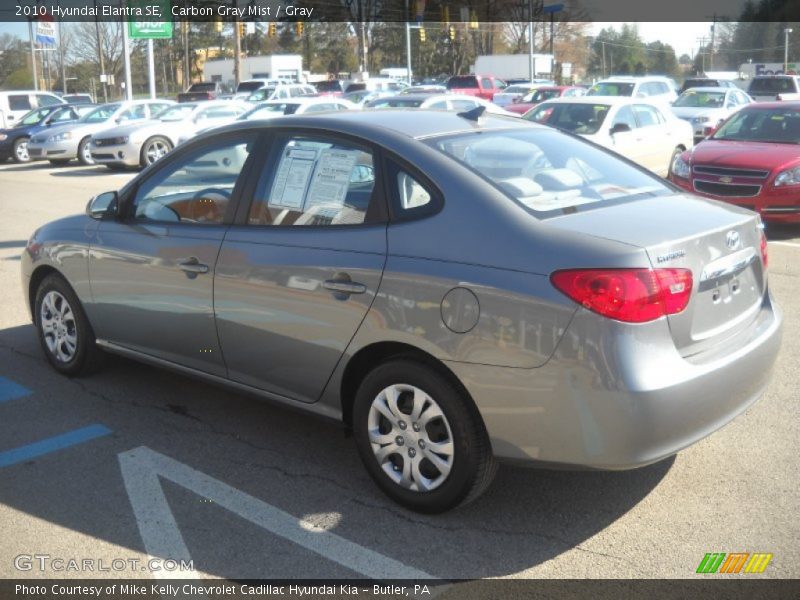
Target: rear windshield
<point>694,99</point>
<point>548,172</point>
<point>396,103</point>
<point>778,125</point>
<point>580,118</point>
<point>249,86</point>
<point>271,110</point>
<point>690,83</point>
<point>541,95</point>
<point>203,87</point>
<point>329,86</point>
<point>461,82</point>
<point>773,85</point>
<point>611,89</point>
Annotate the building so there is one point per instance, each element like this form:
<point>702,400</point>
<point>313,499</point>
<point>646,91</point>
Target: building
<point>275,66</point>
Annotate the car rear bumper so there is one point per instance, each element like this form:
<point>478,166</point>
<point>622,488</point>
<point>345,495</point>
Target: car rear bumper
<point>627,399</point>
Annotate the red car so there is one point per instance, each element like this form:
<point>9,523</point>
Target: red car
<point>482,86</point>
<point>752,160</point>
<point>541,94</point>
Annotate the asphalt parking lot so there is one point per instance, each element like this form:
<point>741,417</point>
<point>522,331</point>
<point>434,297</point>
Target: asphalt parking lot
<point>135,461</point>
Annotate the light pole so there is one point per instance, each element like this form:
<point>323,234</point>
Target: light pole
<point>786,33</point>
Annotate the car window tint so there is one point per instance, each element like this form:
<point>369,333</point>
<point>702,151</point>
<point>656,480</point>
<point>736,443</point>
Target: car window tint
<point>134,112</point>
<point>158,107</point>
<point>486,83</point>
<point>464,104</point>
<point>315,183</point>
<point>625,116</point>
<point>195,188</point>
<point>19,102</point>
<point>33,117</point>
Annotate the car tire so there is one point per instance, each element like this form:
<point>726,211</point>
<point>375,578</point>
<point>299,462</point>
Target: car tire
<point>64,332</point>
<point>20,152</point>
<point>58,162</point>
<point>399,455</point>
<point>84,153</point>
<point>675,153</point>
<point>154,149</point>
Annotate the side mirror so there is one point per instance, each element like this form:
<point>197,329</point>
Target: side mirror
<point>103,206</point>
<point>620,128</point>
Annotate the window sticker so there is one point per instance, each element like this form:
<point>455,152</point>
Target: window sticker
<point>292,178</point>
<point>331,178</point>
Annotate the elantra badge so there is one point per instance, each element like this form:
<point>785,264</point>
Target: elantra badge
<point>732,240</point>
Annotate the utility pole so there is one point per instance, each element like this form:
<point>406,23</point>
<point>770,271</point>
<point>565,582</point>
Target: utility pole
<point>786,33</point>
<point>713,33</point>
<point>103,75</point>
<point>33,57</point>
<point>187,66</point>
<point>604,59</point>
<point>530,41</point>
<point>237,50</point>
<point>702,41</point>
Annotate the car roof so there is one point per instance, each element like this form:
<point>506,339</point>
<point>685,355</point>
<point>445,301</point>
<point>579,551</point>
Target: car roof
<point>634,78</point>
<point>793,104</point>
<point>600,100</point>
<point>375,124</point>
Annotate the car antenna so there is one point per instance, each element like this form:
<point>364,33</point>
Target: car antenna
<point>473,114</point>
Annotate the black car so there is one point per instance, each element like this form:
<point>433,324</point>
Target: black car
<point>14,141</point>
<point>694,82</point>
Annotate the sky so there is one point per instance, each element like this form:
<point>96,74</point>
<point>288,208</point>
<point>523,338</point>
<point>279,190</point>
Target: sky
<point>681,36</point>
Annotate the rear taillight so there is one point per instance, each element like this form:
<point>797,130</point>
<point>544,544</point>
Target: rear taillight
<point>764,256</point>
<point>630,295</point>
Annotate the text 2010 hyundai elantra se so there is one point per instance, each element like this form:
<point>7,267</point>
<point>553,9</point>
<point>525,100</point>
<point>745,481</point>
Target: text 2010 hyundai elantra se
<point>456,289</point>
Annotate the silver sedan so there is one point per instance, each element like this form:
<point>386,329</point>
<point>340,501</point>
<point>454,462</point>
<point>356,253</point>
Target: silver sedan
<point>455,289</point>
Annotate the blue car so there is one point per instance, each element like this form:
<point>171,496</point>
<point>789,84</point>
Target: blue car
<point>14,141</point>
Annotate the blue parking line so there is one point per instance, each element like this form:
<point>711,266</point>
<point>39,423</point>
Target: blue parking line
<point>10,390</point>
<point>58,442</point>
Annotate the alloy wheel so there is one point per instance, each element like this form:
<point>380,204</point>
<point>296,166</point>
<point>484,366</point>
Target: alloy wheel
<point>58,327</point>
<point>410,437</point>
<point>155,150</point>
<point>21,151</point>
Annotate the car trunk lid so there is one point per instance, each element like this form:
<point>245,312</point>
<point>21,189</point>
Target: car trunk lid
<point>719,243</point>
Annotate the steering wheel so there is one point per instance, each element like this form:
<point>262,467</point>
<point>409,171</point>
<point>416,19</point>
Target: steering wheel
<point>208,205</point>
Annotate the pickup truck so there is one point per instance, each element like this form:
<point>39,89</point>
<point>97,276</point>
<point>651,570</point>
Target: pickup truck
<point>207,90</point>
<point>774,87</point>
<point>482,86</point>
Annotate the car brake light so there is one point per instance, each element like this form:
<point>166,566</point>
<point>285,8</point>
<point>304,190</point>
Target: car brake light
<point>764,256</point>
<point>630,295</point>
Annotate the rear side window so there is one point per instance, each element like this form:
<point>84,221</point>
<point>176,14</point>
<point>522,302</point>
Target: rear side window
<point>19,102</point>
<point>412,195</point>
<point>461,82</point>
<point>317,183</point>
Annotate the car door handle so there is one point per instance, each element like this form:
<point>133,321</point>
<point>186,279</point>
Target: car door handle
<point>344,286</point>
<point>192,265</point>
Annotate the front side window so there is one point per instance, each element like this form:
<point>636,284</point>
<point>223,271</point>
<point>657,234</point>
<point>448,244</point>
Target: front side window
<point>625,116</point>
<point>138,111</point>
<point>316,182</point>
<point>548,172</point>
<point>197,187</point>
<point>693,98</point>
<point>647,115</point>
<point>178,112</point>
<point>33,117</point>
<point>100,114</point>
<point>486,83</point>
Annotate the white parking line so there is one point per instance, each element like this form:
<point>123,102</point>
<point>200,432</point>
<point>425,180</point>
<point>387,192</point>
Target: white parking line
<point>141,469</point>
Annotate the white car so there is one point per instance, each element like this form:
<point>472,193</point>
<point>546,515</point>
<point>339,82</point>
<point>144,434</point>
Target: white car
<point>297,106</point>
<point>143,143</point>
<point>706,107</point>
<point>652,87</point>
<point>516,91</point>
<point>459,102</point>
<point>282,92</point>
<point>643,131</point>
<point>61,144</point>
<point>15,104</point>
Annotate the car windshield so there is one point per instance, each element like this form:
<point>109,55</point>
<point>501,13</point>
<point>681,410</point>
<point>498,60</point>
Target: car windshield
<point>67,113</point>
<point>396,103</point>
<point>541,95</point>
<point>772,85</point>
<point>100,114</point>
<point>517,89</point>
<point>547,172</point>
<point>695,99</point>
<point>270,110</point>
<point>780,125</point>
<point>177,113</point>
<point>466,81</point>
<point>609,88</point>
<point>33,117</point>
<point>249,86</point>
<point>329,86</point>
<point>207,86</point>
<point>581,118</point>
